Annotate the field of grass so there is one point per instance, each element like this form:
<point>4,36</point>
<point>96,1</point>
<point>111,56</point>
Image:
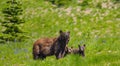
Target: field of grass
<point>97,25</point>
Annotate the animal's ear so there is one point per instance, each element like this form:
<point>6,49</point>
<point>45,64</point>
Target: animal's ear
<point>68,32</point>
<point>84,45</point>
<point>72,47</point>
<point>60,31</point>
<point>79,47</point>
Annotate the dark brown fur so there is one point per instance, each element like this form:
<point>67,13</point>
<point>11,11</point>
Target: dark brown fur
<point>51,46</point>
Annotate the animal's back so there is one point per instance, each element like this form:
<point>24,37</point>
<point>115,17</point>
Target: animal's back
<point>43,46</point>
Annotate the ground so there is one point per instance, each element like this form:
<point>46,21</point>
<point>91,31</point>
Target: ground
<point>96,25</point>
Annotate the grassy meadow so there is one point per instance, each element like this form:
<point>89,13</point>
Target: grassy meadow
<point>96,24</point>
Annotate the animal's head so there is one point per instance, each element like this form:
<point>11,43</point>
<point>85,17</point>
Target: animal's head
<point>69,50</point>
<point>65,36</point>
<point>82,50</point>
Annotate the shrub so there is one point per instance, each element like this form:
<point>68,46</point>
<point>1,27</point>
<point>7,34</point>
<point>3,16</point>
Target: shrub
<point>12,20</point>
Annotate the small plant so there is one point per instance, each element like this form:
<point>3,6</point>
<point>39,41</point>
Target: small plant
<point>116,1</point>
<point>60,2</point>
<point>99,5</point>
<point>84,3</point>
<point>12,20</point>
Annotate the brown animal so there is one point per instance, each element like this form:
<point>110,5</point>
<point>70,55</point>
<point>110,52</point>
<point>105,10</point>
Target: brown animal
<point>51,46</point>
<point>80,50</point>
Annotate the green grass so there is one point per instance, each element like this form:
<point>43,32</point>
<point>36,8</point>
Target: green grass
<point>98,28</point>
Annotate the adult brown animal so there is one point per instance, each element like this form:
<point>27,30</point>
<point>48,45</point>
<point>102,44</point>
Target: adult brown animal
<point>51,46</point>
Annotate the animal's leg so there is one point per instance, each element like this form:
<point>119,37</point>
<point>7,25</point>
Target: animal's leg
<point>42,57</point>
<point>35,56</point>
<point>35,52</point>
<point>58,55</point>
<point>63,54</point>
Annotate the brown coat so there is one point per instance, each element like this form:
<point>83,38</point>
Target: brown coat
<point>51,46</point>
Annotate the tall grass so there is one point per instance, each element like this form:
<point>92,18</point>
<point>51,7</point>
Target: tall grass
<point>97,27</point>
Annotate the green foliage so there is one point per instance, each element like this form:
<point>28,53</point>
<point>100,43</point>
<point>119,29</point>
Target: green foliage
<point>99,5</point>
<point>60,2</point>
<point>116,1</point>
<point>84,3</point>
<point>96,26</point>
<point>12,14</point>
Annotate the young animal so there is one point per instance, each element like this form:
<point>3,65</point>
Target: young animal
<point>51,46</point>
<point>80,50</point>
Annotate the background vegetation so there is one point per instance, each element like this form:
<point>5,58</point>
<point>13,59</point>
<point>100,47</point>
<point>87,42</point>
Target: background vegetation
<point>11,22</point>
<point>95,23</point>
